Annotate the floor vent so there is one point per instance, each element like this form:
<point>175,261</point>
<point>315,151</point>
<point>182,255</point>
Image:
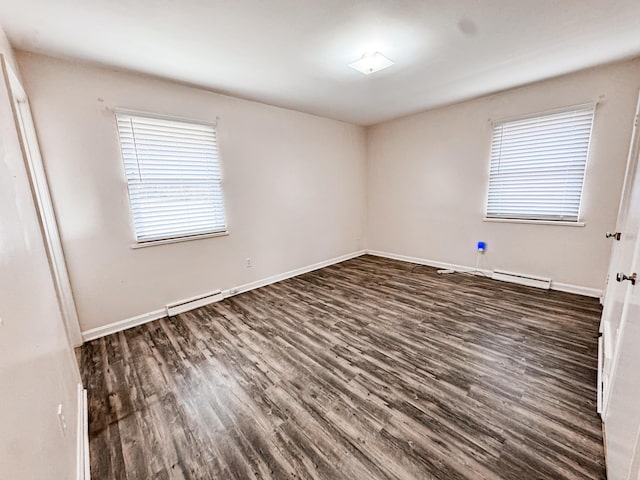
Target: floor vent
<point>194,302</point>
<point>522,279</point>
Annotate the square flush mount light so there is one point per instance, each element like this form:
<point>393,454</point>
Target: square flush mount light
<point>371,63</point>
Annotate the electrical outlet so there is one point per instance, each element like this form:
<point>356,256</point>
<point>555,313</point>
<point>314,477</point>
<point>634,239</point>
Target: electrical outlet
<point>249,262</point>
<point>62,421</point>
<point>1,322</point>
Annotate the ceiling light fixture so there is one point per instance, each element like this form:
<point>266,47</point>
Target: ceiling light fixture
<point>371,63</point>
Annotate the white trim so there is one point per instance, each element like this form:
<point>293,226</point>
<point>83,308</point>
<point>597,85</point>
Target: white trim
<point>561,287</point>
<point>534,222</point>
<point>43,204</point>
<point>131,322</point>
<point>187,238</point>
<point>82,453</point>
<point>85,435</point>
<point>115,327</point>
<point>292,273</point>
<point>125,324</point>
<point>599,375</point>
<point>429,263</point>
<point>577,289</point>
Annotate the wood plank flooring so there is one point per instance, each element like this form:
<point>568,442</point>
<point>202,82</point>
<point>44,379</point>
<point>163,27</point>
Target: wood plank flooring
<point>369,369</point>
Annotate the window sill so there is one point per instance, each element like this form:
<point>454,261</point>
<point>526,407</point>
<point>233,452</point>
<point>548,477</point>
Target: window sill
<point>535,222</point>
<point>152,243</point>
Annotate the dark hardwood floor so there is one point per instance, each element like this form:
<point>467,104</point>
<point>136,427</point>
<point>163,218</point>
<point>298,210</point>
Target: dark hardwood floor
<point>369,369</point>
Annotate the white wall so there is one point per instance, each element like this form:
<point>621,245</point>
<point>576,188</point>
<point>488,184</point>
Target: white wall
<point>294,189</point>
<point>37,367</point>
<point>428,176</point>
<point>297,186</point>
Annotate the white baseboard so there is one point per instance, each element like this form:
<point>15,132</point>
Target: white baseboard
<point>562,287</point>
<point>292,273</point>
<point>424,261</point>
<point>115,327</point>
<point>110,328</point>
<point>577,289</point>
<point>104,330</point>
<point>83,470</point>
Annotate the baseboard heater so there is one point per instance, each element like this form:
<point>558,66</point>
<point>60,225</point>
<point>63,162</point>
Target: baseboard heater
<point>522,279</point>
<point>193,302</point>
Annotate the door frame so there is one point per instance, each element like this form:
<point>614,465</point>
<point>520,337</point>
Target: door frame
<point>43,203</point>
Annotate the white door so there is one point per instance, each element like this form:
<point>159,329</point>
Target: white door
<point>621,257</point>
<point>622,419</point>
<point>621,333</point>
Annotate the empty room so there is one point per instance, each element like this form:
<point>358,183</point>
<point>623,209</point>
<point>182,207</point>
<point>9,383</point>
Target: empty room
<point>330,240</point>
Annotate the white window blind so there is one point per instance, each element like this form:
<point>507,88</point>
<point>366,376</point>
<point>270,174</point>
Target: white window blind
<point>173,172</point>
<point>538,165</point>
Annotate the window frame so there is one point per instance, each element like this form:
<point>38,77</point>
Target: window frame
<point>135,243</point>
<point>495,123</point>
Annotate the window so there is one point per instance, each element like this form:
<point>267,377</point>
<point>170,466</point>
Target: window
<point>174,177</point>
<point>538,165</point>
